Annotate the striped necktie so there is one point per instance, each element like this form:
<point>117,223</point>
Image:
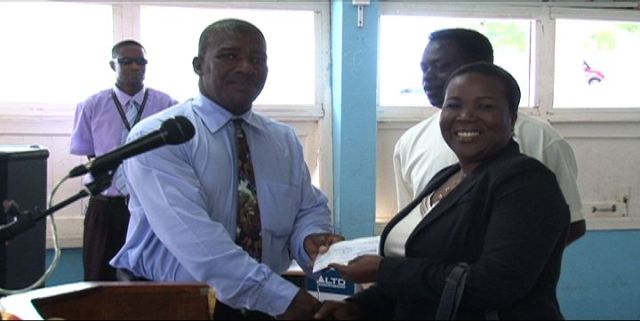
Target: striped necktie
<point>249,226</point>
<point>131,113</point>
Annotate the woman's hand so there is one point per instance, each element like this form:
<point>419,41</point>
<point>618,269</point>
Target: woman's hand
<point>363,269</point>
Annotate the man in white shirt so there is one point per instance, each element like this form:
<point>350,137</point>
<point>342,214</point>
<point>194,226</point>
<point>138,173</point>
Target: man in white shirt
<point>421,152</point>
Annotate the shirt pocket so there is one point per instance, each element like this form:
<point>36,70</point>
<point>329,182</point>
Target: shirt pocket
<point>279,205</point>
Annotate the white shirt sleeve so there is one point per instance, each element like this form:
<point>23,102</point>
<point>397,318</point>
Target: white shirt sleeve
<point>404,190</point>
<point>538,139</point>
<point>559,157</point>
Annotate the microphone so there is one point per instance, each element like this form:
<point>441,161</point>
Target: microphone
<point>21,221</point>
<point>10,208</point>
<point>173,131</point>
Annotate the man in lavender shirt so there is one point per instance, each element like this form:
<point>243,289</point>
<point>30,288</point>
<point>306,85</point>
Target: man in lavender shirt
<point>101,124</point>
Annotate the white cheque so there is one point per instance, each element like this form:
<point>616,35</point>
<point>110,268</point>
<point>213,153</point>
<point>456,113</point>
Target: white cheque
<point>345,251</point>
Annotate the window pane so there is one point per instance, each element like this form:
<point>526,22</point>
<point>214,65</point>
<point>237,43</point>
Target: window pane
<point>54,52</point>
<point>170,35</point>
<point>596,64</point>
<point>403,39</point>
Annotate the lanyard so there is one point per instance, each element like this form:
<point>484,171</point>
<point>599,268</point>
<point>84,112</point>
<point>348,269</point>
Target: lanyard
<point>123,116</point>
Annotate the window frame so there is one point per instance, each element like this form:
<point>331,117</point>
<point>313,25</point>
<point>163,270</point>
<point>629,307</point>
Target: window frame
<point>542,80</point>
<point>126,24</point>
<point>454,10</point>
<point>316,111</point>
<point>613,115</point>
<point>38,110</point>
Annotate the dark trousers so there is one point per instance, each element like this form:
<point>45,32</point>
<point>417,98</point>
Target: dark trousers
<point>105,230</point>
<point>225,312</point>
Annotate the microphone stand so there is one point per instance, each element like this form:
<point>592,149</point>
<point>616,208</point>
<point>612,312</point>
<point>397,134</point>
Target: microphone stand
<point>28,219</point>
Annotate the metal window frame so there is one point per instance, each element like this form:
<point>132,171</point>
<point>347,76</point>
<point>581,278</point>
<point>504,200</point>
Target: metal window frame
<point>544,14</point>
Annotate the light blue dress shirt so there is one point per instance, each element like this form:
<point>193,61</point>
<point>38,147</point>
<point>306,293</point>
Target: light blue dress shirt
<point>183,208</point>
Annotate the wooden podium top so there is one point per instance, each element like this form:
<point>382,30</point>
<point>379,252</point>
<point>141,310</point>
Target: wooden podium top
<point>112,301</point>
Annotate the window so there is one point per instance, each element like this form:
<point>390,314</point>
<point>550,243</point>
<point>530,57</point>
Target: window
<point>596,64</point>
<point>54,52</point>
<point>171,34</point>
<point>403,39</point>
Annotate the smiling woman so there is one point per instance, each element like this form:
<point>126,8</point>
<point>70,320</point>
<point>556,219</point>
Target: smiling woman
<point>505,221</point>
<point>479,113</point>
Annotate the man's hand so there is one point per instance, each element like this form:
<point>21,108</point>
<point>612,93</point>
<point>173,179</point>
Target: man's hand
<point>303,307</point>
<point>334,310</point>
<point>316,244</point>
<point>363,269</point>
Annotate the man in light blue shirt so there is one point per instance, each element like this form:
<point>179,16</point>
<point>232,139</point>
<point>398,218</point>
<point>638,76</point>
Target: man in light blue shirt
<point>184,197</point>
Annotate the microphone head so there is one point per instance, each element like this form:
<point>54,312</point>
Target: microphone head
<point>179,130</point>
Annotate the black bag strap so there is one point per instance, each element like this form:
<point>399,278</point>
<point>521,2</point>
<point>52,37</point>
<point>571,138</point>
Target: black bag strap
<point>452,292</point>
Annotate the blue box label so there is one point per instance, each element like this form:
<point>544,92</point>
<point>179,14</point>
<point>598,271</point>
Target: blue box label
<point>330,281</point>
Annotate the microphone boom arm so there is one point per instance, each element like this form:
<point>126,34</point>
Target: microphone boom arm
<point>28,219</point>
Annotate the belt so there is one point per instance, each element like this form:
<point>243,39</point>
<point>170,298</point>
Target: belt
<point>124,275</point>
<point>111,199</point>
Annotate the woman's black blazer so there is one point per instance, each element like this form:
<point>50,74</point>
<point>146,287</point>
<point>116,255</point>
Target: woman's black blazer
<point>508,220</point>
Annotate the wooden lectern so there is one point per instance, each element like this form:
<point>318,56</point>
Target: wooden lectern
<point>112,301</point>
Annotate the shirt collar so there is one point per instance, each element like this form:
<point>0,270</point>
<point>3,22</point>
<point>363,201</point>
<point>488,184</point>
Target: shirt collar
<point>215,116</point>
<point>124,98</point>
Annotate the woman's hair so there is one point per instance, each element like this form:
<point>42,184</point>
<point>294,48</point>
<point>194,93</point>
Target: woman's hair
<point>510,84</point>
